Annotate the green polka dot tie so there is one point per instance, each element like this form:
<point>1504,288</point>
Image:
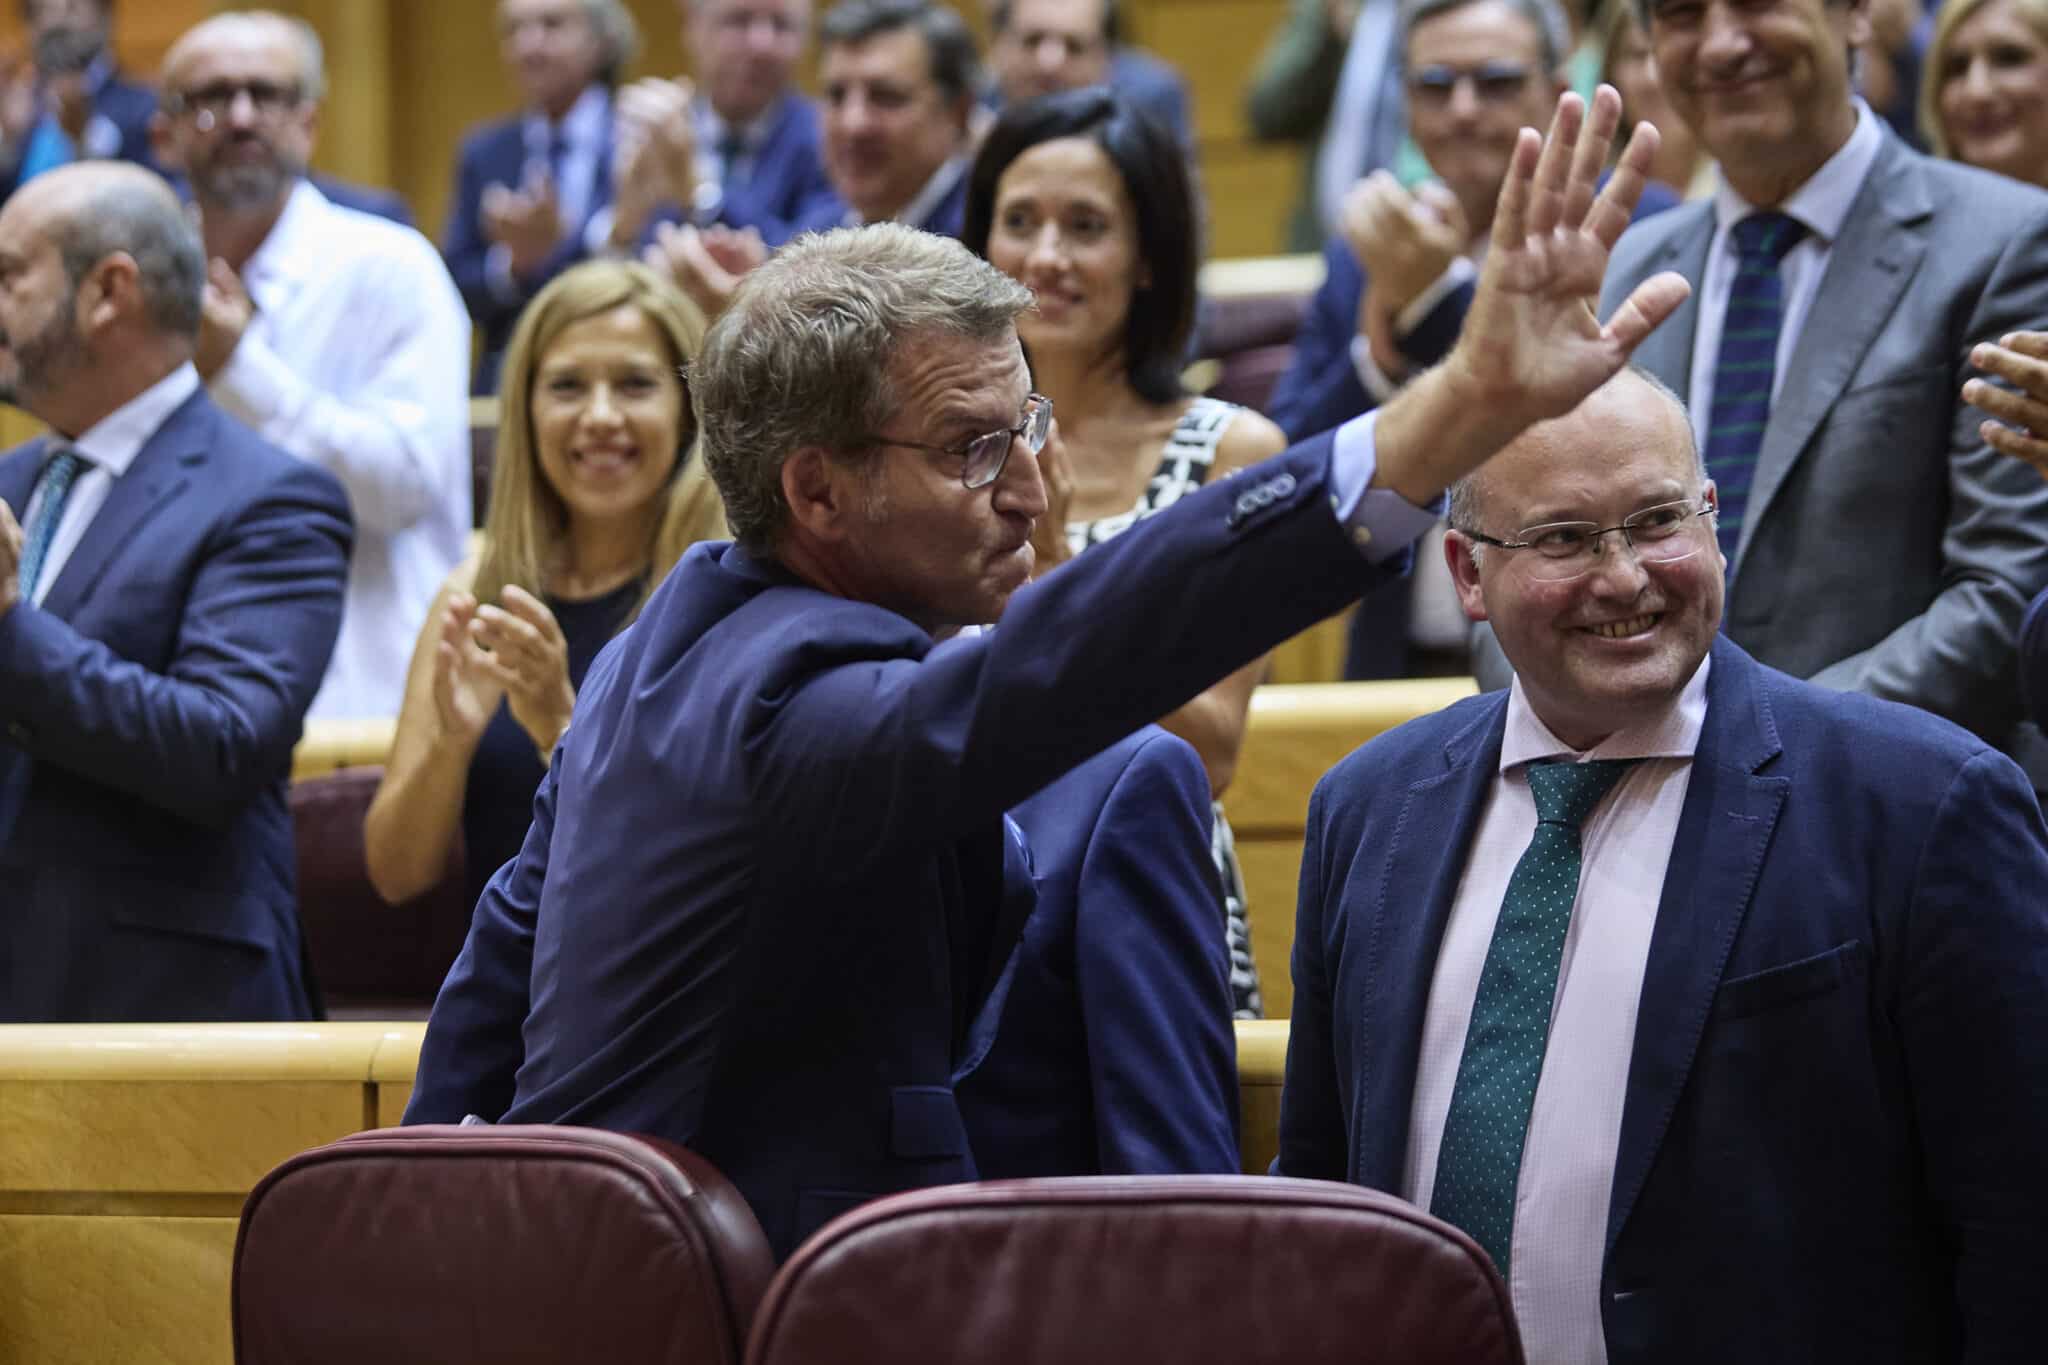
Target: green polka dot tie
<point>1481,1155</point>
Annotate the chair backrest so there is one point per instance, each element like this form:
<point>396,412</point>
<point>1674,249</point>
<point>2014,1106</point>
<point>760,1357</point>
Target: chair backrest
<point>519,1244</point>
<point>1112,1269</point>
<point>369,959</point>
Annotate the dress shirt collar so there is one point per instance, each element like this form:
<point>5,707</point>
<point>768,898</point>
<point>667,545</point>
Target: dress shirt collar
<point>1673,733</point>
<point>113,442</point>
<point>582,126</point>
<point>927,200</point>
<point>1821,204</point>
<point>292,254</point>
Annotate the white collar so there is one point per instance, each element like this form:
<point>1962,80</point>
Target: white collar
<point>582,126</point>
<point>292,251</point>
<point>113,442</point>
<point>927,200</point>
<point>1673,732</point>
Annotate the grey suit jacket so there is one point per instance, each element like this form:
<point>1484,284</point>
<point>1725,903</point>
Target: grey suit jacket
<point>1887,550</point>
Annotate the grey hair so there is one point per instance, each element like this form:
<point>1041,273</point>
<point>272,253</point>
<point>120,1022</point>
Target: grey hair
<point>618,38</point>
<point>801,357</point>
<point>1463,514</point>
<point>139,215</point>
<point>1552,27</point>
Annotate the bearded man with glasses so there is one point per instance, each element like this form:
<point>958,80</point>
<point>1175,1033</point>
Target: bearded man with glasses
<point>1704,998</point>
<point>336,334</point>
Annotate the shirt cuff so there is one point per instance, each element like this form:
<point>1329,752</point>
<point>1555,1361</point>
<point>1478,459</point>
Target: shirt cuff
<point>498,273</point>
<point>1459,271</point>
<point>1380,522</point>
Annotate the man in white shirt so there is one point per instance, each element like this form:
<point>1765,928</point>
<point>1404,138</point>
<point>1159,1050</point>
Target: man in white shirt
<point>170,588</point>
<point>1702,997</point>
<point>338,336</point>
<point>1875,543</point>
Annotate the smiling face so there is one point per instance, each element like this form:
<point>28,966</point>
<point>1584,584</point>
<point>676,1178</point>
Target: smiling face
<point>1764,83</point>
<point>608,409</point>
<point>551,50</point>
<point>927,546</point>
<point>888,126</point>
<point>1993,101</point>
<point>1064,225</point>
<point>1467,131</point>
<point>1597,653</point>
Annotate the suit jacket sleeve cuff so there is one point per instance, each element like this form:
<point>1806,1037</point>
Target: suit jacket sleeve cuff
<point>1380,522</point>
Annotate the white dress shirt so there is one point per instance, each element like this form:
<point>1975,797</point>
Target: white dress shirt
<point>1567,1175</point>
<point>357,360</point>
<point>927,200</point>
<point>109,446</point>
<point>1822,205</point>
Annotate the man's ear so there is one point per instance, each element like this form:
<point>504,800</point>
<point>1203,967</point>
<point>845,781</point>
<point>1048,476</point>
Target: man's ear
<point>163,144</point>
<point>1461,553</point>
<point>110,291</point>
<point>821,494</point>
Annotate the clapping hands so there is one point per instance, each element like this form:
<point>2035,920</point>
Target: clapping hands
<point>512,652</point>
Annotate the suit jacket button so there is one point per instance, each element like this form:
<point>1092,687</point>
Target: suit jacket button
<point>1283,485</point>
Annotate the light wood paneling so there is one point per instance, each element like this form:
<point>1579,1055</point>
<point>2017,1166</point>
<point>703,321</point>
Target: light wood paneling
<point>1261,1063</point>
<point>134,1290</point>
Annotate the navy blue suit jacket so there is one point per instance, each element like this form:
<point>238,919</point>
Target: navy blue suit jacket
<point>787,191</point>
<point>772,878</point>
<point>1155,87</point>
<point>1836,1105</point>
<point>1106,1048</point>
<point>148,711</point>
<point>495,154</point>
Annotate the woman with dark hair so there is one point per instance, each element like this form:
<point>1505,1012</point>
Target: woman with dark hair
<point>1087,201</point>
<point>596,491</point>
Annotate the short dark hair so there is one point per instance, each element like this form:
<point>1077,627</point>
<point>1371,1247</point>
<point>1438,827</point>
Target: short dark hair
<point>1154,171</point>
<point>1553,30</point>
<point>1112,19</point>
<point>145,221</point>
<point>956,69</point>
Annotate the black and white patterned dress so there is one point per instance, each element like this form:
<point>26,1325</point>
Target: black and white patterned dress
<point>1185,462</point>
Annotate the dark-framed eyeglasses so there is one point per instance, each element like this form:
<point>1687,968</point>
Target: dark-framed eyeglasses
<point>1561,550</point>
<point>1492,82</point>
<point>982,459</point>
<point>211,103</point>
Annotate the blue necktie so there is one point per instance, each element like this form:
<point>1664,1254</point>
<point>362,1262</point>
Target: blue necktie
<point>1747,361</point>
<point>732,147</point>
<point>1480,1159</point>
<point>59,473</point>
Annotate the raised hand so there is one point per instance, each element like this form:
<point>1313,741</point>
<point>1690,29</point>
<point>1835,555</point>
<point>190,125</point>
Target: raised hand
<point>1404,241</point>
<point>1049,545</point>
<point>706,264</point>
<point>1532,342</point>
<point>1532,347</point>
<point>528,657</point>
<point>2021,428</point>
<point>225,310</point>
<point>466,696</point>
<point>526,221</point>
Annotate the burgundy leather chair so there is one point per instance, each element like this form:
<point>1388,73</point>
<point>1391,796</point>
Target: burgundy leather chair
<point>1115,1269</point>
<point>368,959</point>
<point>520,1245</point>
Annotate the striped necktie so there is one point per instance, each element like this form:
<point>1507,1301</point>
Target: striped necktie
<point>1480,1159</point>
<point>1746,364</point>
<point>59,473</point>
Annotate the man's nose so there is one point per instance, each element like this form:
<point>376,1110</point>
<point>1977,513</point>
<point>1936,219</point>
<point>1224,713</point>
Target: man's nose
<point>1617,567</point>
<point>1724,37</point>
<point>1021,487</point>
